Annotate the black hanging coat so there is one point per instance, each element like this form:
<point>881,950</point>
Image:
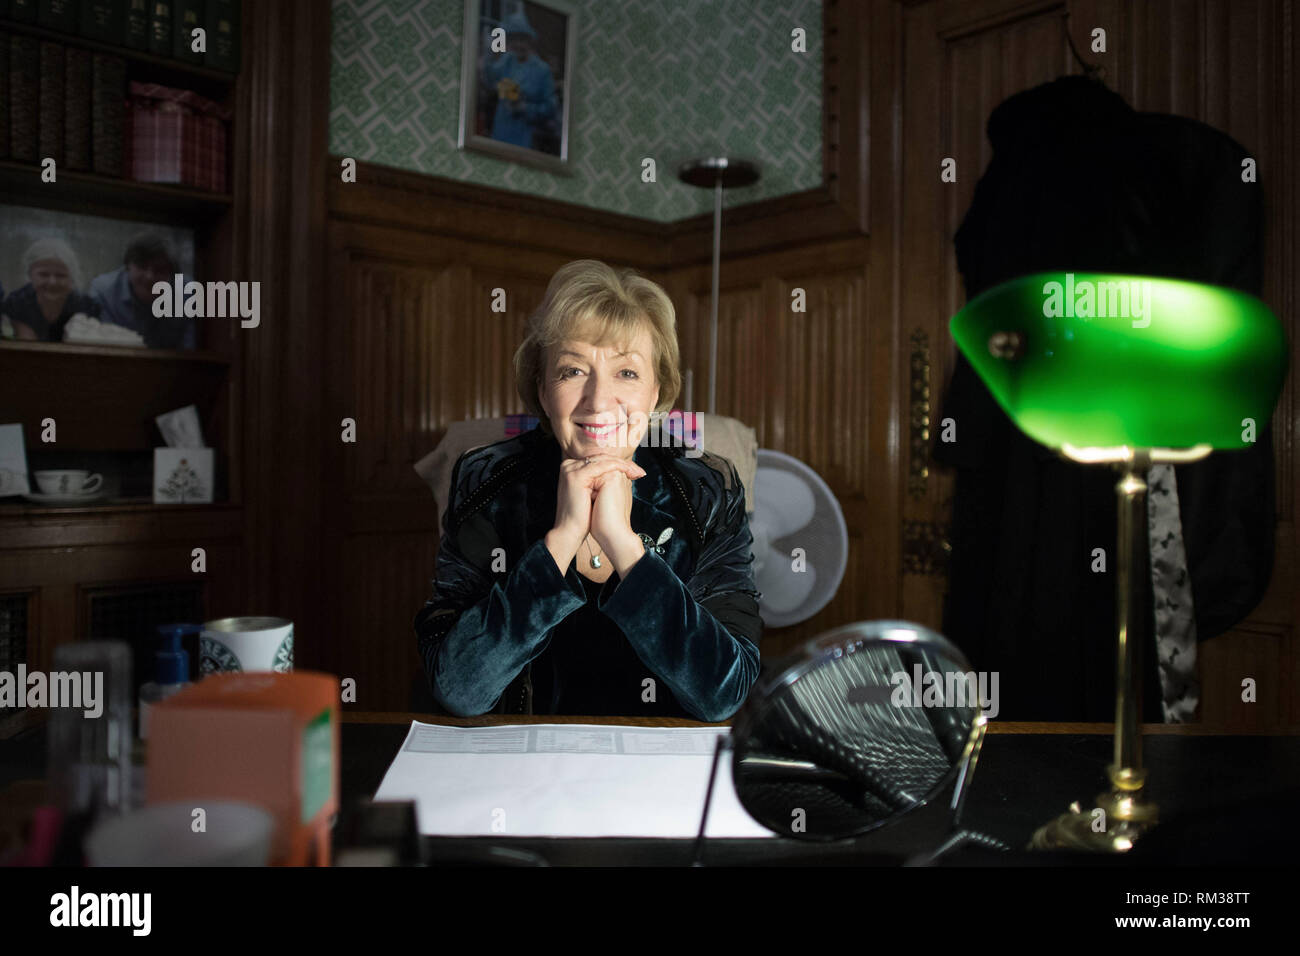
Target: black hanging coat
<point>1079,181</point>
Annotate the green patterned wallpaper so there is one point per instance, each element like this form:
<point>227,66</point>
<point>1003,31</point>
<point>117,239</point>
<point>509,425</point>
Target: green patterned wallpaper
<point>668,79</point>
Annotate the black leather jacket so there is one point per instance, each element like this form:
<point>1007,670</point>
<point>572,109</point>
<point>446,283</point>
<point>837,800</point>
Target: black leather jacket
<point>688,607</point>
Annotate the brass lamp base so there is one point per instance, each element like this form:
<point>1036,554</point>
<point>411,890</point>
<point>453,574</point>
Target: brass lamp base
<point>1113,825</point>
<point>1121,816</point>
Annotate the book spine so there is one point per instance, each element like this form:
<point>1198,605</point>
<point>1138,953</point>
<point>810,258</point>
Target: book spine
<point>141,131</point>
<point>223,35</point>
<point>103,20</point>
<point>24,11</point>
<point>51,104</point>
<point>4,96</point>
<point>108,87</point>
<point>160,27</point>
<point>137,24</point>
<point>219,184</point>
<point>57,15</point>
<point>76,109</point>
<point>187,16</point>
<point>135,125</point>
<point>191,173</point>
<point>24,98</point>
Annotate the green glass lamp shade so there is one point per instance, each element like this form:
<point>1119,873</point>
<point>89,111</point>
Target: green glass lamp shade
<point>1096,360</point>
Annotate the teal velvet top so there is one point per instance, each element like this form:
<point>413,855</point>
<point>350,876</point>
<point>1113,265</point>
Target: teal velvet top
<point>506,630</point>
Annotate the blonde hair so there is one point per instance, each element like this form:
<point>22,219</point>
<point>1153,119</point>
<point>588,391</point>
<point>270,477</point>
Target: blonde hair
<point>588,301</point>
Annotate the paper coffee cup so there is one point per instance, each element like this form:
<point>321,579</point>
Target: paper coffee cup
<point>246,644</point>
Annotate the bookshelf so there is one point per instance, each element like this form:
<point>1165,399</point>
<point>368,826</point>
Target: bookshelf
<point>61,566</point>
<point>110,196</point>
<point>140,63</point>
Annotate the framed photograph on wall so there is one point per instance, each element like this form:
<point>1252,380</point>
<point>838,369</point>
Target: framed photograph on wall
<point>517,68</point>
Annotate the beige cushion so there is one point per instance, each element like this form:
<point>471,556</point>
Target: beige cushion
<point>723,436</point>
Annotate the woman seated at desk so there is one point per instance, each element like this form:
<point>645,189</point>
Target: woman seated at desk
<point>580,572</point>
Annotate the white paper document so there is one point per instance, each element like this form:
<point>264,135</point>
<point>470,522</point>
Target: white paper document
<point>565,780</point>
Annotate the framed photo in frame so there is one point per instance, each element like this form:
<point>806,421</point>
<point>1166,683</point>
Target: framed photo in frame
<point>516,77</point>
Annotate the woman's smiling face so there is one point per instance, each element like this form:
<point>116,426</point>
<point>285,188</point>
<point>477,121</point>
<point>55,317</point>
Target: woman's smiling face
<point>599,398</point>
<point>51,279</point>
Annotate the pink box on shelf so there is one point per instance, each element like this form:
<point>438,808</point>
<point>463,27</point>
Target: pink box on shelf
<point>176,136</point>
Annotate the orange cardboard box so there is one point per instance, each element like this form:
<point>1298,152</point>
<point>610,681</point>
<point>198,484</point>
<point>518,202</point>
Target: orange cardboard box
<point>261,737</point>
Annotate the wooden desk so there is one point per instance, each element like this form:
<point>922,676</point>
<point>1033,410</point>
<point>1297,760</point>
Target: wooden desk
<point>1027,773</point>
<point>1214,783</point>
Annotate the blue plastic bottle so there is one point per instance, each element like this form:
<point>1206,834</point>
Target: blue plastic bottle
<point>171,670</point>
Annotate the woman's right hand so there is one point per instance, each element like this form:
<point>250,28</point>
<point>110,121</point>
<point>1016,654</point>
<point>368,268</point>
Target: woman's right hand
<point>573,499</point>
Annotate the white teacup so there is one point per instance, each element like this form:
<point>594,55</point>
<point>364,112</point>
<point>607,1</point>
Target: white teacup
<point>68,482</point>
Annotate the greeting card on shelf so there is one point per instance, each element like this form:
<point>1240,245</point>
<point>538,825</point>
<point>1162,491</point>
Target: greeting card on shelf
<point>13,461</point>
<point>182,476</point>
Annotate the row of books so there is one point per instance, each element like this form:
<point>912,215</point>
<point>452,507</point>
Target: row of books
<point>75,107</point>
<point>162,27</point>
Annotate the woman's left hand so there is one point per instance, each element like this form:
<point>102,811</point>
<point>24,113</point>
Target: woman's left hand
<point>611,520</point>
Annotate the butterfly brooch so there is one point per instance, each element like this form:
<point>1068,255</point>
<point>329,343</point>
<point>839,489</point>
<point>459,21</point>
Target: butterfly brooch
<point>656,546</point>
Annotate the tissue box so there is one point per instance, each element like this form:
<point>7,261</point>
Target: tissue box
<point>265,738</point>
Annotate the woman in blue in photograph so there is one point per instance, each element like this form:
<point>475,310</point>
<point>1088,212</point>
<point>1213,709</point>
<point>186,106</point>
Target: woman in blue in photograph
<point>582,569</point>
<point>524,83</point>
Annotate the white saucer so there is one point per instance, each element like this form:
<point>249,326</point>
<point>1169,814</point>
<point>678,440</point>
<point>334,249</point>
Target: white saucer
<point>40,499</point>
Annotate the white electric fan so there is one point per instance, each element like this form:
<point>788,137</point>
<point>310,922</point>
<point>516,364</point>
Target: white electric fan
<point>801,544</point>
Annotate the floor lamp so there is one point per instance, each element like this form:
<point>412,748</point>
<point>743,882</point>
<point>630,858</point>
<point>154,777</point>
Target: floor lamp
<point>716,173</point>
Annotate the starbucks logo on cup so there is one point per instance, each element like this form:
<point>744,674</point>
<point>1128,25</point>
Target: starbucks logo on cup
<point>284,655</point>
<point>247,644</point>
<point>215,656</point>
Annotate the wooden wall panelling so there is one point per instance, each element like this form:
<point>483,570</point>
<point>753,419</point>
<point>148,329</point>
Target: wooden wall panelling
<point>963,60</point>
<point>886,439</point>
<point>136,551</point>
<point>800,379</point>
<point>385,364</point>
<point>494,336</point>
<point>385,580</point>
<point>285,100</point>
<point>422,349</point>
<point>764,347</point>
<point>429,206</point>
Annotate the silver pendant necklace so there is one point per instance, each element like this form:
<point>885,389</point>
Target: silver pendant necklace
<point>595,558</point>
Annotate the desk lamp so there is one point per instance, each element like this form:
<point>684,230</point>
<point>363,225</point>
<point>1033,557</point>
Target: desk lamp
<point>1128,371</point>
